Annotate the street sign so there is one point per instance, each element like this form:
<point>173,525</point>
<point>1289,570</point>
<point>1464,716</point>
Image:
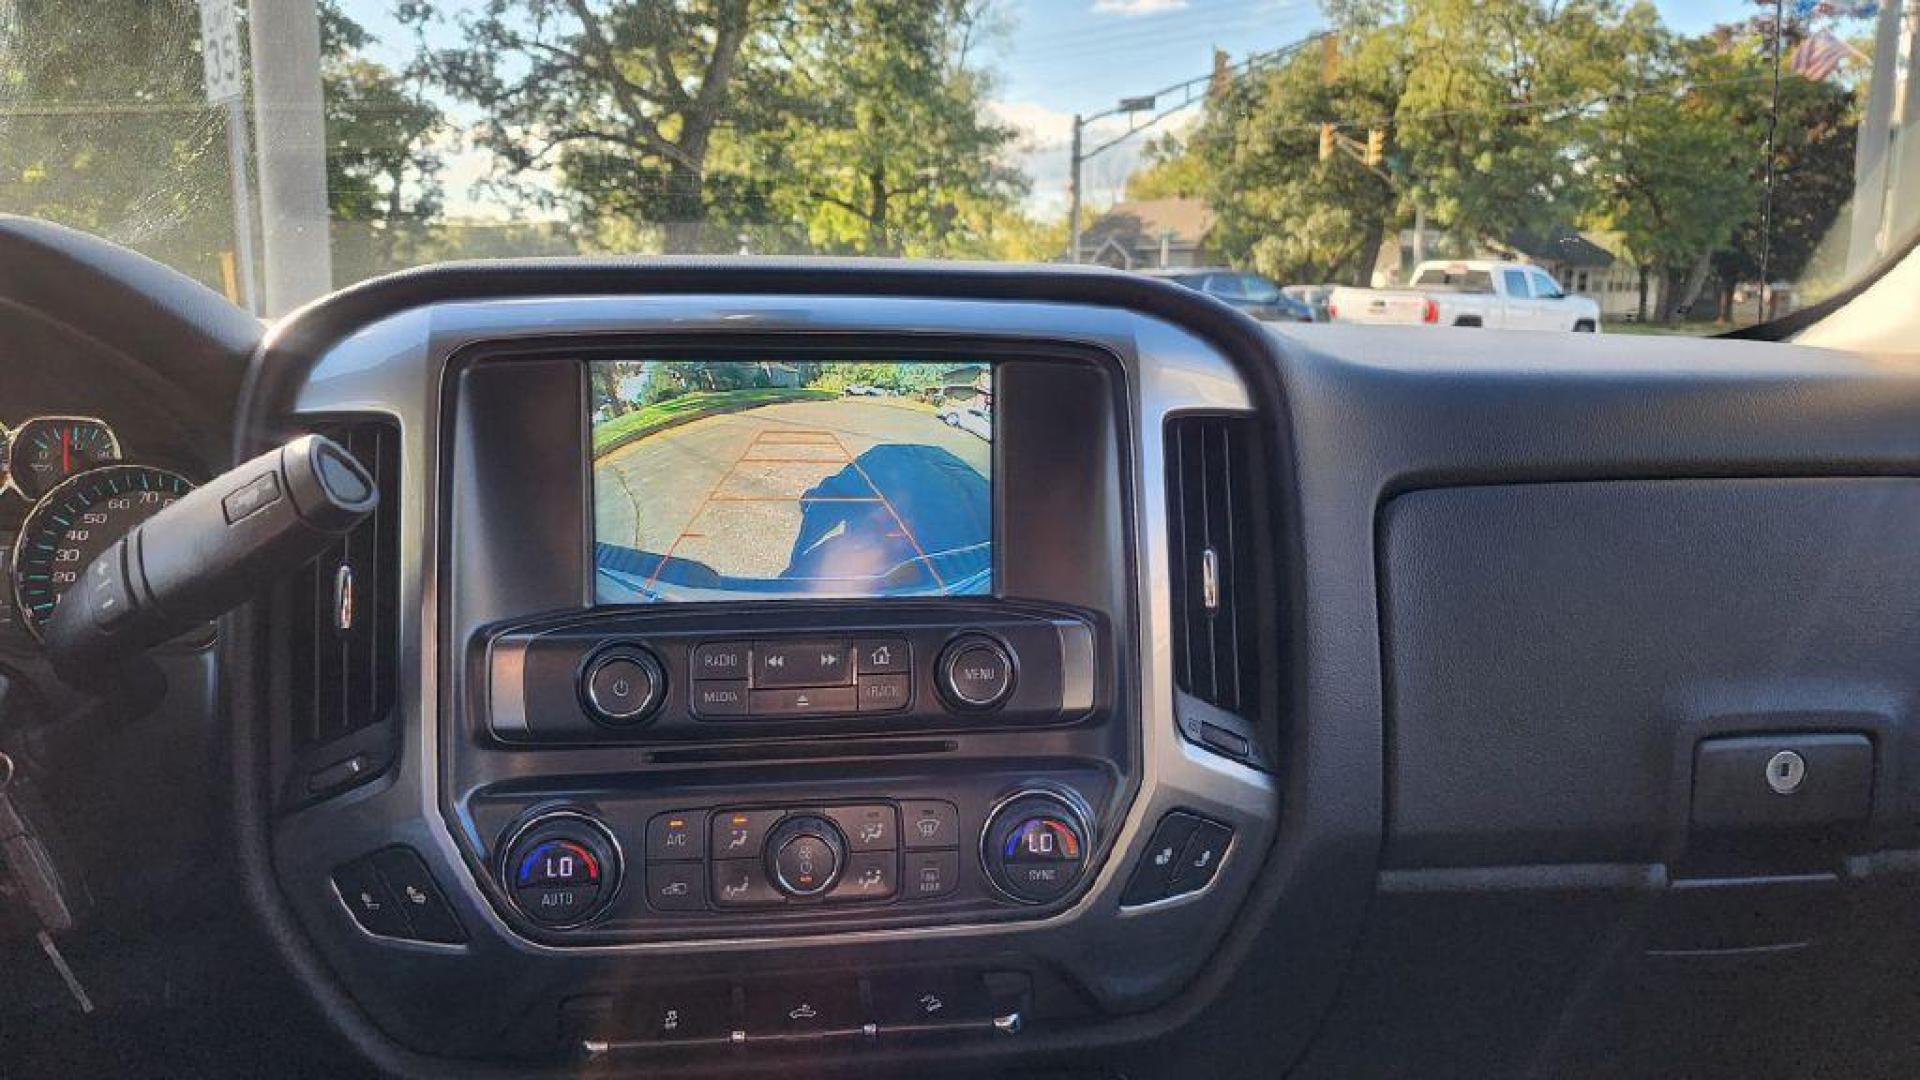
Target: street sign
<point>220,60</point>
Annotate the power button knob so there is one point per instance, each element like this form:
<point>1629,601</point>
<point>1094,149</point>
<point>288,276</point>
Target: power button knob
<point>622,686</point>
<point>976,672</point>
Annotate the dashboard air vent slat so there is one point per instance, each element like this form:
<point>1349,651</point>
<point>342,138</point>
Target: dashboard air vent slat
<point>343,668</point>
<point>1217,542</point>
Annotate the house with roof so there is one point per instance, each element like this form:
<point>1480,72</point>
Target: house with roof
<point>1149,234</point>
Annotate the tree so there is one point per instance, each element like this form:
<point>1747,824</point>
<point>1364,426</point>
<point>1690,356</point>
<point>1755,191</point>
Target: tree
<point>1277,206</point>
<point>383,170</point>
<point>107,128</point>
<point>1495,94</point>
<point>889,148</point>
<point>1170,172</point>
<point>626,97</point>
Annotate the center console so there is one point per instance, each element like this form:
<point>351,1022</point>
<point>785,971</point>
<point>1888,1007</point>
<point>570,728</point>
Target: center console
<point>795,669</point>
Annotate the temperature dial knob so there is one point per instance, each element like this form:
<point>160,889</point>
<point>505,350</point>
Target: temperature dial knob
<point>561,869</point>
<point>1035,847</point>
<point>805,854</point>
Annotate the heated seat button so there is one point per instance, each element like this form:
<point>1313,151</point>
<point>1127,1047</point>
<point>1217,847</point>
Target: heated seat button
<point>930,823</point>
<point>801,663</point>
<point>1152,878</point>
<point>369,899</point>
<point>413,886</point>
<point>1201,859</point>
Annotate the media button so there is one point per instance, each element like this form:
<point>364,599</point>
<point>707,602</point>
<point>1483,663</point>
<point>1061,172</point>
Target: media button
<point>722,660</point>
<point>720,698</point>
<point>779,664</point>
<point>885,693</point>
<point>883,657</point>
<point>811,701</point>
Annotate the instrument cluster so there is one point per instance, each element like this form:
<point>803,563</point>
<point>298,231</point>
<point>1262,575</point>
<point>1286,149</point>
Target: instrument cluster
<point>82,496</point>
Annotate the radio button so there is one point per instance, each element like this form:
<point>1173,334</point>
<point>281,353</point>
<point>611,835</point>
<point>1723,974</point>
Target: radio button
<point>883,657</point>
<point>720,698</point>
<point>867,828</point>
<point>722,660</point>
<point>931,824</point>
<point>885,693</point>
<point>810,701</point>
<point>741,834</point>
<point>801,663</point>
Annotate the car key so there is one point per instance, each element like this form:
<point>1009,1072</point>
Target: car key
<point>32,869</point>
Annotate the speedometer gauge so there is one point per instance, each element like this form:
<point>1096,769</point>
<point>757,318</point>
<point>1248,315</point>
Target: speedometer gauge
<point>77,520</point>
<point>48,449</point>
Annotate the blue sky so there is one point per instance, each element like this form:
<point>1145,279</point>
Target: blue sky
<point>1053,58</point>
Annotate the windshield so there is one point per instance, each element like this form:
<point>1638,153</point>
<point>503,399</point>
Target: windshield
<point>1674,166</point>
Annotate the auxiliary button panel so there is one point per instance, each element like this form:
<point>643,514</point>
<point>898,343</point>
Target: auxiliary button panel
<point>661,680</point>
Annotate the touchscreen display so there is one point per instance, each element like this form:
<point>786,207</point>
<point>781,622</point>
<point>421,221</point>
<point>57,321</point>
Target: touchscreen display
<point>743,479</point>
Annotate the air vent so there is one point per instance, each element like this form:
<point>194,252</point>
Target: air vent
<point>1218,554</point>
<point>342,666</point>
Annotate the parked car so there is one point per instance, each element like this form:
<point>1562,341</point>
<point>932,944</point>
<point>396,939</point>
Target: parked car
<point>1474,292</point>
<point>1315,297</point>
<point>1249,292</point>
<point>968,418</point>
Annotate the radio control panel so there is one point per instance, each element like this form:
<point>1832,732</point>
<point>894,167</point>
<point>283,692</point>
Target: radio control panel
<point>669,679</point>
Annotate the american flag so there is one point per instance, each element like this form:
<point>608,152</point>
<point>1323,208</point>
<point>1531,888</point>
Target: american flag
<point>1819,56</point>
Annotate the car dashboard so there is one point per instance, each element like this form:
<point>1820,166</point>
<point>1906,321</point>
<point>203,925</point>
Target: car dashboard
<point>1193,694</point>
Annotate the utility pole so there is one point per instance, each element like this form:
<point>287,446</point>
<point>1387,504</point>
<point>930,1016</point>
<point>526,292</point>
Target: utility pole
<point>1190,91</point>
<point>1073,194</point>
<point>290,131</point>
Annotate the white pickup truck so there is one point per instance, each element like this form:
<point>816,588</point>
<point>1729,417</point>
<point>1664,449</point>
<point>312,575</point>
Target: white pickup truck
<point>1474,292</point>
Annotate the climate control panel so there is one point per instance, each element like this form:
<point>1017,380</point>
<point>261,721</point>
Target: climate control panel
<point>619,866</point>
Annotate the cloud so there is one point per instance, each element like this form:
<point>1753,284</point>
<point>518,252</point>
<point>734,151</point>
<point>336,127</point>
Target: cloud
<point>1128,9</point>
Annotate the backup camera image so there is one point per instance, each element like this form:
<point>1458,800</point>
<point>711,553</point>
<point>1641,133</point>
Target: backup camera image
<point>741,479</point>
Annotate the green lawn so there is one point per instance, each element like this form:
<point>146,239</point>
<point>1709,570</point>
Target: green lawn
<point>673,412</point>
